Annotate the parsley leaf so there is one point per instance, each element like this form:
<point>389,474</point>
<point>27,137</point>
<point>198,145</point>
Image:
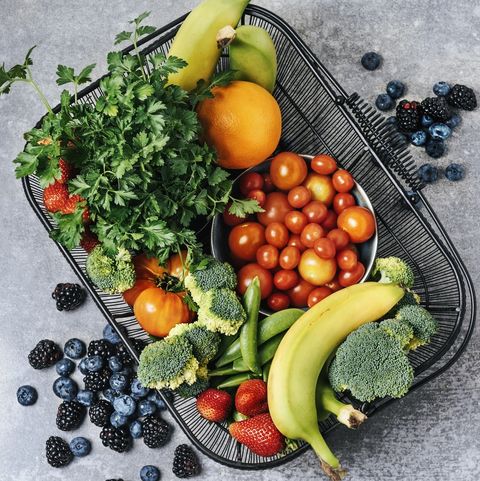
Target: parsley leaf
<point>244,207</point>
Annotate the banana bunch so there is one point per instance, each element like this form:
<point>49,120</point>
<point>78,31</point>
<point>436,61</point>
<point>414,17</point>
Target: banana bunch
<point>303,352</point>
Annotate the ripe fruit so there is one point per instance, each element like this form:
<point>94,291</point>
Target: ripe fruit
<point>311,233</point>
<point>371,60</point>
<point>343,200</point>
<point>250,181</point>
<point>285,279</point>
<point>55,196</point>
<point>214,405</point>
<point>342,181</point>
<point>299,197</point>
<point>251,397</point>
<point>348,278</point>
<point>323,164</point>
<point>288,170</point>
<point>242,122</point>
<point>358,222</point>
<point>278,301</point>
<point>315,270</point>
<point>384,102</point>
<point>267,256</point>
<point>318,295</point>
<point>296,221</point>
<point>321,187</point>
<point>325,248</point>
<point>246,275</point>
<point>245,239</point>
<point>275,208</point>
<point>289,257</point>
<point>315,211</point>
<point>299,294</point>
<point>276,234</point>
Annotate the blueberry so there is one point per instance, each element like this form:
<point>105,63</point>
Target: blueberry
<point>439,131</point>
<point>454,121</point>
<point>111,335</point>
<point>115,364</point>
<point>64,367</point>
<point>27,395</point>
<point>392,120</point>
<point>85,397</point>
<point>80,447</point>
<point>154,397</point>
<point>384,102</point>
<point>371,60</point>
<point>426,120</point>
<point>82,366</point>
<point>418,138</point>
<point>75,348</point>
<point>441,89</point>
<point>124,405</point>
<point>65,388</point>
<point>117,419</point>
<point>146,407</point>
<point>428,173</point>
<point>126,371</point>
<point>136,429</point>
<point>118,381</point>
<point>413,196</point>
<point>94,363</point>
<point>395,89</point>
<point>149,473</point>
<point>455,172</point>
<point>110,394</point>
<point>435,148</point>
<point>138,391</point>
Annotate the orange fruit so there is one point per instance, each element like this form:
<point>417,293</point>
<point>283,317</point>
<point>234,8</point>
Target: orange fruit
<point>242,122</point>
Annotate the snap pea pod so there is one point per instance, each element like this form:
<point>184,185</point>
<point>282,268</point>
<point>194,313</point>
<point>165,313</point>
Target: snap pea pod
<point>265,354</point>
<point>236,380</point>
<point>249,331</point>
<point>225,343</point>
<point>266,371</point>
<point>268,328</point>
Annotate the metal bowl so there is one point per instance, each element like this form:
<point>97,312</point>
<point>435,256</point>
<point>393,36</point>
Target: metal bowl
<point>219,234</point>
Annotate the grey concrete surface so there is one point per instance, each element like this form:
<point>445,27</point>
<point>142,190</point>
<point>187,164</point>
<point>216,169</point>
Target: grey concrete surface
<point>433,434</point>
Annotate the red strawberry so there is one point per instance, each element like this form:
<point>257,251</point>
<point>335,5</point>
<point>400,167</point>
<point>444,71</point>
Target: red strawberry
<point>71,205</point>
<point>89,240</point>
<point>55,196</point>
<point>66,170</point>
<point>251,397</point>
<point>214,405</point>
<point>259,434</point>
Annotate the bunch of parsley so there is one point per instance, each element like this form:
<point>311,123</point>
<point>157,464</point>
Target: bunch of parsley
<point>140,165</point>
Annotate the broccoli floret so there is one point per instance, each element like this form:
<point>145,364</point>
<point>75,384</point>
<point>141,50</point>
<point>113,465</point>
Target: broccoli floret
<point>424,325</point>
<point>204,342</point>
<point>221,311</point>
<point>186,390</point>
<point>401,331</point>
<point>371,364</point>
<point>410,298</point>
<point>214,275</point>
<point>168,363</point>
<point>113,274</point>
<point>393,269</point>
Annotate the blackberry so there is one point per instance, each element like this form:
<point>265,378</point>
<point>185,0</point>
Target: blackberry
<point>185,463</point>
<point>124,355</point>
<point>155,431</point>
<point>70,415</point>
<point>408,116</point>
<point>117,439</point>
<point>97,381</point>
<point>437,108</point>
<point>102,348</point>
<point>68,296</point>
<point>45,354</point>
<point>462,97</point>
<point>100,413</point>
<point>58,452</point>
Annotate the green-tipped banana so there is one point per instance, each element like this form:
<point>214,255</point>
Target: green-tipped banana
<point>253,56</point>
<point>196,40</point>
<point>303,352</point>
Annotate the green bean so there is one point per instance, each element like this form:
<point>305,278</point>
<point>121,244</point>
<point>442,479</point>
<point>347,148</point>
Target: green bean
<point>265,354</point>
<point>236,380</point>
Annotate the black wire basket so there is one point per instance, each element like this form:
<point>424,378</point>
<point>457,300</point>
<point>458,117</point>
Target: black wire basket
<point>319,117</point>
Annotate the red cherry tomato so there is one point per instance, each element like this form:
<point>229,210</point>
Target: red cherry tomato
<point>299,294</point>
<point>250,181</point>
<point>289,257</point>
<point>288,170</point>
<point>295,241</point>
<point>347,259</point>
<point>318,295</point>
<point>230,219</point>
<point>267,183</point>
<point>324,248</point>
<point>258,195</point>
<point>299,197</point>
<point>321,187</point>
<point>342,180</point>
<point>276,207</point>
<point>310,234</point>
<point>285,280</point>
<point>340,238</point>
<point>348,278</point>
<point>333,284</point>
<point>323,164</point>
<point>278,301</point>
<point>296,221</point>
<point>315,211</point>
<point>246,275</point>
<point>315,270</point>
<point>245,239</point>
<point>330,221</point>
<point>343,200</point>
<point>358,222</point>
<point>267,256</point>
<point>276,234</point>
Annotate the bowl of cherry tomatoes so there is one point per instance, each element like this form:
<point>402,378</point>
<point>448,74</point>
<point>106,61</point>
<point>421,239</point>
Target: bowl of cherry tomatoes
<point>317,232</point>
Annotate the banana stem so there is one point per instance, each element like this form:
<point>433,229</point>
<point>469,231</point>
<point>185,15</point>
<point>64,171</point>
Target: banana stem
<point>328,460</point>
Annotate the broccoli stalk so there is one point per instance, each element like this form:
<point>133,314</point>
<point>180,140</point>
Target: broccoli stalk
<point>393,270</point>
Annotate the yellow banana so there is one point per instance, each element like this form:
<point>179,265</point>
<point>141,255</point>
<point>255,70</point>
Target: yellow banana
<point>195,41</point>
<point>304,350</point>
<point>253,56</point>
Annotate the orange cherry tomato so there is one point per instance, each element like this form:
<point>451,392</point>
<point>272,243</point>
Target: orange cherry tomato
<point>148,267</point>
<point>321,187</point>
<point>323,164</point>
<point>342,180</point>
<point>230,219</point>
<point>299,294</point>
<point>267,183</point>
<point>267,256</point>
<point>299,197</point>
<point>340,238</point>
<point>250,181</point>
<point>295,241</point>
<point>315,211</point>
<point>324,248</point>
<point>275,208</point>
<point>258,195</point>
<point>246,275</point>
<point>177,266</point>
<point>330,221</point>
<point>348,278</point>
<point>317,295</point>
<point>347,259</point>
<point>289,257</point>
<point>276,234</point>
<point>284,280</point>
<point>158,311</point>
<point>278,301</point>
<point>343,200</point>
<point>296,221</point>
<point>358,222</point>
<point>333,284</point>
<point>245,239</point>
<point>315,270</point>
<point>310,234</point>
<point>130,295</point>
<point>288,170</point>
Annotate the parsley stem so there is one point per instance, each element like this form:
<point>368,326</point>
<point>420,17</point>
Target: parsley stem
<point>135,39</point>
<point>42,97</point>
<point>75,91</point>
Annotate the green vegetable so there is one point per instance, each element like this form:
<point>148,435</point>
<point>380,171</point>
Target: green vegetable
<point>168,363</point>
<point>249,330</point>
<point>221,311</point>
<point>422,322</point>
<point>236,380</point>
<point>393,269</point>
<point>113,274</point>
<point>401,331</point>
<point>266,371</point>
<point>191,390</point>
<point>265,354</point>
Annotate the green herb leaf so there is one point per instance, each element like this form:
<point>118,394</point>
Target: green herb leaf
<point>244,207</point>
<point>122,37</point>
<point>65,75</point>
